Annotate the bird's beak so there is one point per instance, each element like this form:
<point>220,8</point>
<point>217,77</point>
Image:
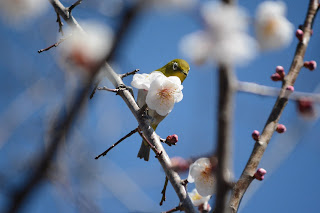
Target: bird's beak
<point>184,72</point>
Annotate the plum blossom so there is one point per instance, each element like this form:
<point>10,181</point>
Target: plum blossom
<point>197,199</point>
<point>201,173</point>
<point>15,11</point>
<point>163,93</point>
<point>89,48</point>
<point>273,30</point>
<point>224,40</point>
<point>143,81</point>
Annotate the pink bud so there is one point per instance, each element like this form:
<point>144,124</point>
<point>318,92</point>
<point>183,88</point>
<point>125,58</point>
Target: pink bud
<point>306,107</point>
<point>299,34</point>
<point>276,77</point>
<point>281,128</point>
<point>259,175</point>
<point>172,139</point>
<point>280,71</point>
<point>290,88</point>
<point>256,135</point>
<point>311,65</point>
<point>179,164</point>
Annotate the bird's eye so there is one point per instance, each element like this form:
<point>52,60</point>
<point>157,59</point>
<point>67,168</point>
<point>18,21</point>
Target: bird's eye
<point>175,66</point>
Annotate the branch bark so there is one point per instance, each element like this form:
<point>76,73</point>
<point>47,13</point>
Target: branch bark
<point>282,100</point>
<point>224,142</point>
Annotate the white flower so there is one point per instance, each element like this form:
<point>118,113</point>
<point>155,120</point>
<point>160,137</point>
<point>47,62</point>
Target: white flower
<point>143,81</point>
<point>87,49</point>
<point>197,199</point>
<point>225,40</point>
<point>163,93</point>
<point>201,173</point>
<point>273,30</point>
<point>20,10</point>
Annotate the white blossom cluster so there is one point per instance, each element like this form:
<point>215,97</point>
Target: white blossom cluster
<point>163,92</point>
<point>85,49</point>
<point>225,39</point>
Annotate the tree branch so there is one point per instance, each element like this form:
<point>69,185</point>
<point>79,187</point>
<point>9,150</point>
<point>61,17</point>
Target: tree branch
<point>224,143</point>
<point>270,126</point>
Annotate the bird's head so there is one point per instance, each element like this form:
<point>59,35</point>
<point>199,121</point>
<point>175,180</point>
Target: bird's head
<point>176,67</point>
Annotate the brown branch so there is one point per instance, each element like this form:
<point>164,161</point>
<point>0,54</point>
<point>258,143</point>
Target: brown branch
<point>60,24</point>
<point>115,144</point>
<point>270,126</point>
<point>129,73</point>
<point>54,45</point>
<point>224,143</point>
<point>163,192</point>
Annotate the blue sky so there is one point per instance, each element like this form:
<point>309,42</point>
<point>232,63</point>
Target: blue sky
<point>34,86</point>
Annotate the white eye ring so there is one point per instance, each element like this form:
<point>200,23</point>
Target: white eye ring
<point>175,66</point>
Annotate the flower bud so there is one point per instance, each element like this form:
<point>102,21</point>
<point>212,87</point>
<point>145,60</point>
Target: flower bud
<point>281,128</point>
<point>276,77</point>
<point>299,34</point>
<point>172,139</point>
<point>259,175</point>
<point>305,107</point>
<point>311,65</point>
<point>256,135</point>
<point>280,71</point>
<point>290,88</point>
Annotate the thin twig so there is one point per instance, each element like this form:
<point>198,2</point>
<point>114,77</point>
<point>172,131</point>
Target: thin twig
<point>163,192</point>
<point>247,175</point>
<point>60,24</point>
<point>74,5</point>
<point>115,144</point>
<point>54,45</point>
<point>107,89</point>
<point>158,153</point>
<point>129,73</point>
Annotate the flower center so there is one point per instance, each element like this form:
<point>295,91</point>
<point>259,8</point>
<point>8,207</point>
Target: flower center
<point>270,27</point>
<point>165,94</point>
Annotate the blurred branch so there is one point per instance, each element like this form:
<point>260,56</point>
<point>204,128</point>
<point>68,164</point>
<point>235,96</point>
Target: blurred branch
<point>257,89</point>
<point>261,145</point>
<point>224,143</point>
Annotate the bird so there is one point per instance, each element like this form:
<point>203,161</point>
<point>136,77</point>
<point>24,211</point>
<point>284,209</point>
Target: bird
<point>176,67</point>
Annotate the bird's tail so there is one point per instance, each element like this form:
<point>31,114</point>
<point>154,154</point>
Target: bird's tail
<point>144,151</point>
